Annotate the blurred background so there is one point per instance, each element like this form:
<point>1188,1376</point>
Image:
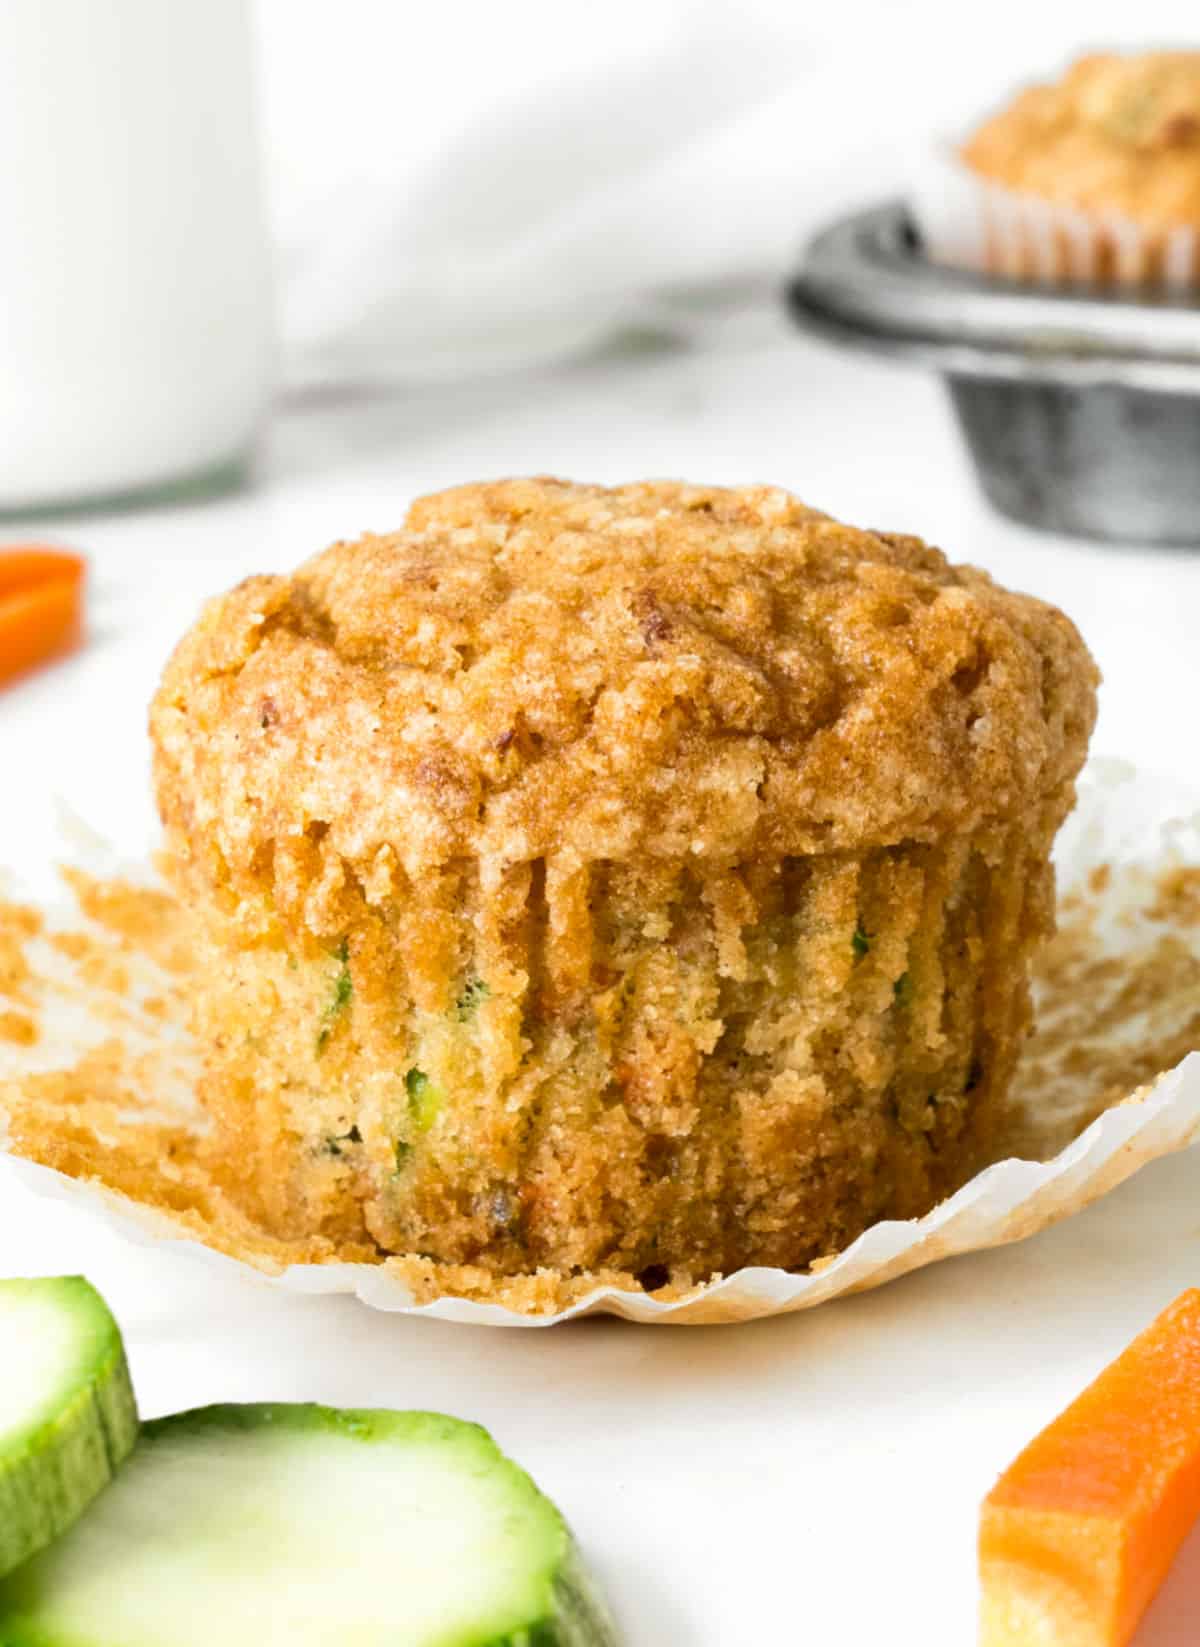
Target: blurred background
<point>464,186</point>
<point>450,192</point>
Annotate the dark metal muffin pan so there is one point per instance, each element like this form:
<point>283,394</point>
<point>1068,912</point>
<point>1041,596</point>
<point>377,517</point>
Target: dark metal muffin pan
<point>1081,411</point>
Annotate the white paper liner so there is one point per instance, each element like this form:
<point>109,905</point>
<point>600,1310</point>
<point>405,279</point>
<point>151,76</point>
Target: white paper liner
<point>970,222</point>
<point>1137,826</point>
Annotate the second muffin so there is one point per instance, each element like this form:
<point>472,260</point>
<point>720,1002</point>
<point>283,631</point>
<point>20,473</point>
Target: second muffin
<point>642,879</point>
<point>1093,179</point>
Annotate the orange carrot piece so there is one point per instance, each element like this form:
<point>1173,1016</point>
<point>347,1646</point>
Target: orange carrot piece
<point>39,623</point>
<point>25,564</point>
<point>1079,1532</point>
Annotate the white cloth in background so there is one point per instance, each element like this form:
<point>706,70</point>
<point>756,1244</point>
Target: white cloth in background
<point>540,211</point>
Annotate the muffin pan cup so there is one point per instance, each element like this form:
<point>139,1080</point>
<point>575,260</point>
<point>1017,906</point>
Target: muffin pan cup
<point>1081,411</point>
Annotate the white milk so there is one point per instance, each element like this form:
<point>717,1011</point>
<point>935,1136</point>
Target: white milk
<point>134,320</point>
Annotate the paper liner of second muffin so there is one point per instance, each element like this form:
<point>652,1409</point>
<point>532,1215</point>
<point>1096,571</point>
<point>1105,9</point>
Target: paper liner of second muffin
<point>969,222</point>
<point>1128,839</point>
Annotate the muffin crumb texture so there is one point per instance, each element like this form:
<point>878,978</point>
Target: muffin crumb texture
<point>638,881</point>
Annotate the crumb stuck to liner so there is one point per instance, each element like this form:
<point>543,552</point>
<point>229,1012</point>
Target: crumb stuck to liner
<point>970,222</point>
<point>97,1080</point>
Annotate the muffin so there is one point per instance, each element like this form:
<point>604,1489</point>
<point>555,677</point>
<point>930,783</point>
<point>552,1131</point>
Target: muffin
<point>641,879</point>
<point>1093,179</point>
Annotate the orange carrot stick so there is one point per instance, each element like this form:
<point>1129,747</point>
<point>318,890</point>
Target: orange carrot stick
<point>1079,1532</point>
<point>39,623</point>
<point>28,563</point>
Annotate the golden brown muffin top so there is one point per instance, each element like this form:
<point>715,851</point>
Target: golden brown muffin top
<point>1117,134</point>
<point>679,671</point>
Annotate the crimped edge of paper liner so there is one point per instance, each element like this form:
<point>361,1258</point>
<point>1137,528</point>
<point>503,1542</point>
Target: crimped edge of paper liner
<point>1006,1202</point>
<point>970,222</point>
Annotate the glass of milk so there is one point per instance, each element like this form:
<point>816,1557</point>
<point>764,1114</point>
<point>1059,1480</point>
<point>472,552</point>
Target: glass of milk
<point>135,338</point>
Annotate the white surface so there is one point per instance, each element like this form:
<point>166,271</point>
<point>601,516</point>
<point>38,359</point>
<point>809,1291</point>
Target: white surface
<point>136,346</point>
<point>813,1478</point>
